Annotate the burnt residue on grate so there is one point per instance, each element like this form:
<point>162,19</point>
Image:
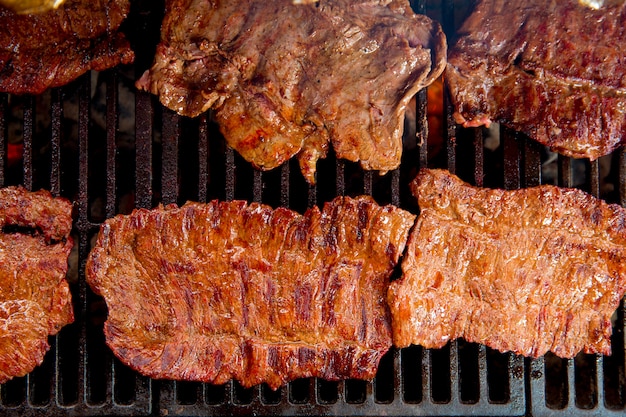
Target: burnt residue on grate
<point>110,149</point>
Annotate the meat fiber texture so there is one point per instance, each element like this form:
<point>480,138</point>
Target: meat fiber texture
<point>286,79</point>
<point>53,48</point>
<point>210,292</point>
<point>35,299</point>
<point>555,71</point>
<point>528,271</point>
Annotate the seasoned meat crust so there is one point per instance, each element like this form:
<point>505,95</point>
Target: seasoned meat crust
<point>53,48</point>
<point>528,271</point>
<point>210,292</point>
<point>35,300</point>
<point>286,79</point>
<point>553,70</point>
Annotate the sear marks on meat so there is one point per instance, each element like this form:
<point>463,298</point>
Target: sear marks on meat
<point>35,299</point>
<point>528,271</point>
<point>53,48</point>
<point>553,70</point>
<point>210,292</point>
<point>286,79</point>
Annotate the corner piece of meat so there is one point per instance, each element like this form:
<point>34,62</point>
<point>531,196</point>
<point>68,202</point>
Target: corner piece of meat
<point>528,271</point>
<point>555,71</point>
<point>51,49</point>
<point>210,292</point>
<point>35,299</point>
<point>286,79</point>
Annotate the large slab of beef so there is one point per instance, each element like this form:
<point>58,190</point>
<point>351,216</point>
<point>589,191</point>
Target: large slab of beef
<point>553,70</point>
<point>528,271</point>
<point>51,49</point>
<point>210,292</point>
<point>286,79</point>
<point>35,300</point>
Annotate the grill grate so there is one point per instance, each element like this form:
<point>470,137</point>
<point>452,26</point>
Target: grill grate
<point>77,142</point>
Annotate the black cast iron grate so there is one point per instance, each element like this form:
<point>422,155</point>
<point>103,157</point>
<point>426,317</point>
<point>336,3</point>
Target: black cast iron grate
<point>110,149</point>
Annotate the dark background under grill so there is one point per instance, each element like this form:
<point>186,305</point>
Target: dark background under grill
<point>110,149</point>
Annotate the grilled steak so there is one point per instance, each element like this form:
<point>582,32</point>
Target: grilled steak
<point>528,271</point>
<point>285,79</point>
<point>53,48</point>
<point>210,292</point>
<point>553,70</point>
<point>35,300</point>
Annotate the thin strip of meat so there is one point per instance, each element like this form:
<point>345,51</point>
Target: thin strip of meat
<point>35,299</point>
<point>553,70</point>
<point>528,271</point>
<point>38,210</point>
<point>53,48</point>
<point>286,79</point>
<point>210,292</point>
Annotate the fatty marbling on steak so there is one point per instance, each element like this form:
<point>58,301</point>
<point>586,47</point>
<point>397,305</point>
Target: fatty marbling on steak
<point>555,70</point>
<point>286,79</point>
<point>210,292</point>
<point>35,299</point>
<point>528,271</point>
<point>53,48</point>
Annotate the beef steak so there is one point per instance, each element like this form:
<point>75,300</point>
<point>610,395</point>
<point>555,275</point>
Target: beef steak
<point>553,70</point>
<point>51,49</point>
<point>35,299</point>
<point>210,292</point>
<point>286,79</point>
<point>528,271</point>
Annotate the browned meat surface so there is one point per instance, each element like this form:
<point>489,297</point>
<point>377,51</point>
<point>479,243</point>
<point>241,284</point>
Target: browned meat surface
<point>210,292</point>
<point>36,210</point>
<point>35,300</point>
<point>553,70</point>
<point>286,79</point>
<point>53,48</point>
<point>528,271</point>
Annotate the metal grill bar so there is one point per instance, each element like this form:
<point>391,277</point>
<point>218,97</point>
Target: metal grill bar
<point>622,177</point>
<point>28,142</point>
<point>257,187</point>
<point>3,137</point>
<point>230,175</point>
<point>421,120</point>
<point>56,115</point>
<point>82,224</point>
<point>312,196</point>
<point>594,179</point>
<point>479,158</point>
<point>512,174</point>
<point>144,114</point>
<point>340,182</point>
<point>112,122</point>
<point>203,158</point>
<point>450,134</point>
<point>284,185</point>
<point>422,128</point>
<point>169,160</point>
<point>565,171</point>
<point>532,163</point>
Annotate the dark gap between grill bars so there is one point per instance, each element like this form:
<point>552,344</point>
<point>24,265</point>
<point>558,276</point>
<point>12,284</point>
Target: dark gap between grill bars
<point>269,396</point>
<point>469,375</point>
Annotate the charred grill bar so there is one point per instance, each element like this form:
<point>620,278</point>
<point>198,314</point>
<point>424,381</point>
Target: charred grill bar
<point>173,159</point>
